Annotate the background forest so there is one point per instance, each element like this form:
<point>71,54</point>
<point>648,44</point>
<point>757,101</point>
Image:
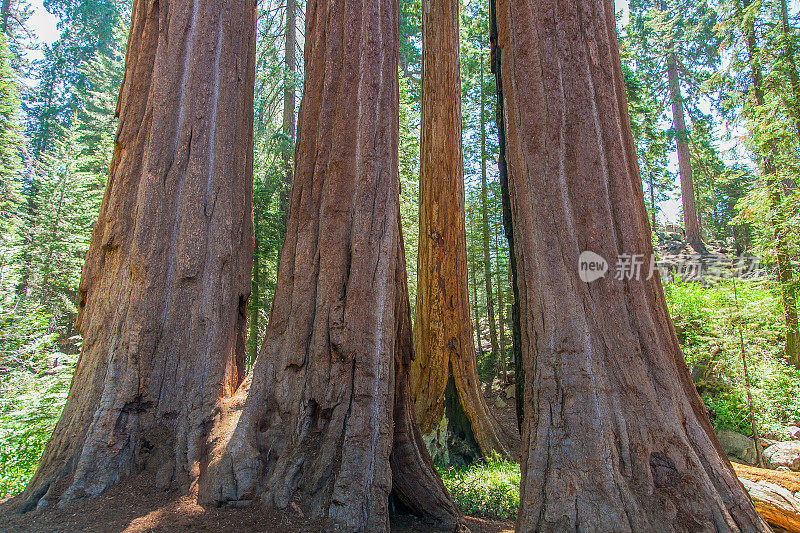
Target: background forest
<point>714,101</point>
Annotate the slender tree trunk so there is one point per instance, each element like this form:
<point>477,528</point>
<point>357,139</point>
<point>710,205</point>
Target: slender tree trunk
<point>443,332</point>
<point>690,221</point>
<point>503,171</point>
<point>487,261</point>
<point>163,294</point>
<point>327,421</point>
<point>289,104</point>
<point>475,313</point>
<point>254,307</point>
<point>615,436</point>
<point>652,203</point>
<point>785,275</point>
<point>5,14</point>
<point>791,66</point>
<point>502,372</point>
<point>769,155</point>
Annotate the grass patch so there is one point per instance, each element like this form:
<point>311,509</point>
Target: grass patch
<point>488,488</point>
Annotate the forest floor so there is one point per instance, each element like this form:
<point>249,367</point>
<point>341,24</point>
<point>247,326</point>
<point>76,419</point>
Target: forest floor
<point>135,506</point>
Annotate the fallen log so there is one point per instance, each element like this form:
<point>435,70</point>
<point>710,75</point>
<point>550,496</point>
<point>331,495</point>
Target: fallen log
<point>776,495</point>
<point>788,480</point>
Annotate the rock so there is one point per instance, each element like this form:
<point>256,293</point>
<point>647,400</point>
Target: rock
<point>737,445</point>
<point>766,443</point>
<point>784,454</point>
<point>240,504</point>
<point>794,431</point>
<point>499,403</point>
<point>511,392</point>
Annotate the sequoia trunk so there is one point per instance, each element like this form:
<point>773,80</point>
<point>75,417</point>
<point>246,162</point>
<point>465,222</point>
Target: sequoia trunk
<point>615,437</point>
<point>164,289</point>
<point>327,422</point>
<point>443,336</point>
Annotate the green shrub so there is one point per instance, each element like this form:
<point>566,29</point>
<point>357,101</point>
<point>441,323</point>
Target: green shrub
<point>488,488</point>
<point>30,404</point>
<point>708,321</point>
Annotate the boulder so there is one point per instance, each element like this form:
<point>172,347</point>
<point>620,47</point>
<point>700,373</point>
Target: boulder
<point>794,431</point>
<point>737,445</point>
<point>499,403</point>
<point>784,454</point>
<point>511,392</point>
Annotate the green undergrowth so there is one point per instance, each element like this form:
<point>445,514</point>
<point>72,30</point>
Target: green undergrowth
<point>488,488</point>
<point>708,321</point>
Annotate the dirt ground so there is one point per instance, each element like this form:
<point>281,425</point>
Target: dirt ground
<point>135,506</point>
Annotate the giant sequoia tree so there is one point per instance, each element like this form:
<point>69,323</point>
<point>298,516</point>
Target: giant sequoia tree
<point>445,353</point>
<point>615,437</point>
<point>164,288</point>
<point>327,420</point>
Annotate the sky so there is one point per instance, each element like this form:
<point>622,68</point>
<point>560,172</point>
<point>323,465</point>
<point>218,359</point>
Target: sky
<point>45,26</point>
<point>43,23</point>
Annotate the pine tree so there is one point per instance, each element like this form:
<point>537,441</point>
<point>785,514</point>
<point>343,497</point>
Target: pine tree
<point>754,87</point>
<point>10,163</point>
<point>676,38</point>
<point>648,135</point>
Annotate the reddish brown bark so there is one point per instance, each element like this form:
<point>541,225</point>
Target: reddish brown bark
<point>443,332</point>
<point>327,422</point>
<point>164,290</point>
<point>615,437</point>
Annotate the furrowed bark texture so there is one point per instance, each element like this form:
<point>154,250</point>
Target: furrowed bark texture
<point>329,403</point>
<point>615,437</point>
<point>443,332</point>
<point>164,289</point>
